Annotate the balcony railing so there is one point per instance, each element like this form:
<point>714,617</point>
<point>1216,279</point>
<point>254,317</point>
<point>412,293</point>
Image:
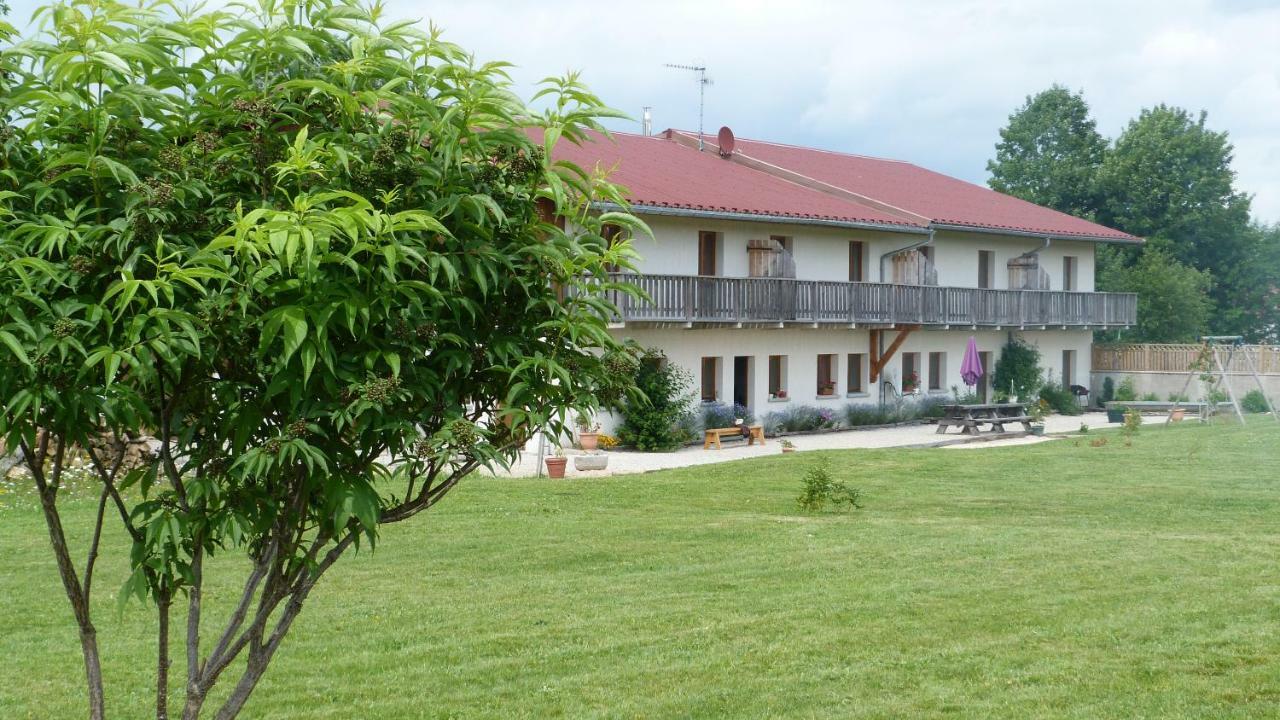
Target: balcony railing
<point>701,299</point>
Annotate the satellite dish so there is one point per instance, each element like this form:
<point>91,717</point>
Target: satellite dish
<point>725,141</point>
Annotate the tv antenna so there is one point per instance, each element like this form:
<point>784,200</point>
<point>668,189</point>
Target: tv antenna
<point>703,82</point>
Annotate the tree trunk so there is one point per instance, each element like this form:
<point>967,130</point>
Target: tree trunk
<point>162,659</point>
<point>92,671</point>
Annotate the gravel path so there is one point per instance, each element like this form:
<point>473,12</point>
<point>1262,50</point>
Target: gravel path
<point>626,462</point>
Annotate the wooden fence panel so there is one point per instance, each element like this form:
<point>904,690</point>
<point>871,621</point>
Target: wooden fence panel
<point>1179,358</point>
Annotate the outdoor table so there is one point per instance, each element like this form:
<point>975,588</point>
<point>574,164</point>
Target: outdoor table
<point>969,417</point>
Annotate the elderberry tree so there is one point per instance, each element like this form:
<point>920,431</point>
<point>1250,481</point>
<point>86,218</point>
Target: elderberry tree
<point>319,257</point>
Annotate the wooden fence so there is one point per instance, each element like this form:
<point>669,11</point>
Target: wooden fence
<point>1164,358</point>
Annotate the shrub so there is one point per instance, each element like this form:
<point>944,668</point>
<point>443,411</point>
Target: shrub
<point>820,489</point>
<point>863,414</point>
<point>1108,391</point>
<point>661,419</point>
<point>800,418</point>
<point>1215,396</point>
<point>720,415</point>
<point>1178,398</point>
<point>1126,393</point>
<point>1254,402</point>
<point>1150,397</point>
<point>1132,423</point>
<point>1018,369</point>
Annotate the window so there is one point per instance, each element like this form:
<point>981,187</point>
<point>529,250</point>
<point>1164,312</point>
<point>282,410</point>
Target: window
<point>786,242</point>
<point>986,269</point>
<point>927,252</point>
<point>910,372</point>
<point>854,382</point>
<point>1069,265</point>
<point>708,253</point>
<point>710,379</point>
<point>827,374</point>
<point>778,377</point>
<point>1068,368</point>
<point>857,261</point>
<point>937,370</point>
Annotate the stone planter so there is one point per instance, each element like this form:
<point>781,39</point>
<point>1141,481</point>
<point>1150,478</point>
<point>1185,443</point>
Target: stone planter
<point>1037,429</point>
<point>591,461</point>
<point>555,467</point>
<point>588,441</point>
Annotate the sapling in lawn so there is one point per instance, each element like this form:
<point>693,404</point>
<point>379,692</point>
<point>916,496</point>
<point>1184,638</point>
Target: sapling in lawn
<point>324,259</point>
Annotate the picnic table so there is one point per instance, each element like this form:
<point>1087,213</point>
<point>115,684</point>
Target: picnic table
<point>997,415</point>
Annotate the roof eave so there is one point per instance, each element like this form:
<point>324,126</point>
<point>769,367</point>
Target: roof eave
<point>642,209</point>
<point>957,227</point>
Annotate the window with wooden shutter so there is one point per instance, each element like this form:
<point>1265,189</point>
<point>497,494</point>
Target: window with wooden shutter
<point>857,261</point>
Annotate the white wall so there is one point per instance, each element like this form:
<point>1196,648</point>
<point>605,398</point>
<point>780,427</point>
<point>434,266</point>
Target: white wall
<point>822,253</point>
<point>801,346</point>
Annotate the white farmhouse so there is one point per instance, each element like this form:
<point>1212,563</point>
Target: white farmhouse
<point>783,274</point>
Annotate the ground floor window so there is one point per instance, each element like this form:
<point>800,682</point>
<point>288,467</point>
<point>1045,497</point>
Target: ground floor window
<point>937,370</point>
<point>1068,368</point>
<point>910,372</point>
<point>777,377</point>
<point>827,366</point>
<point>855,383</point>
<point>710,379</point>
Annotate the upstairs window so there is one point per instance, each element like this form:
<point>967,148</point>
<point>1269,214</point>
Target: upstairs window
<point>986,269</point>
<point>1069,269</point>
<point>708,253</point>
<point>857,261</point>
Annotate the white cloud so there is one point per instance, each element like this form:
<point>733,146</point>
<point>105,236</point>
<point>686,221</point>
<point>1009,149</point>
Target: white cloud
<point>929,81</point>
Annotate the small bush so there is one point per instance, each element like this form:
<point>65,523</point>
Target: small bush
<point>1126,392</point>
<point>1254,402</point>
<point>661,419</point>
<point>800,418</point>
<point>1060,399</point>
<point>1178,398</point>
<point>1018,369</point>
<point>1150,397</point>
<point>821,490</point>
<point>863,414</point>
<point>1108,391</point>
<point>720,415</point>
<point>1132,423</point>
<point>1215,396</point>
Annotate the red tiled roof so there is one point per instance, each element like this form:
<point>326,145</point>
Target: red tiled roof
<point>658,172</point>
<point>944,200</point>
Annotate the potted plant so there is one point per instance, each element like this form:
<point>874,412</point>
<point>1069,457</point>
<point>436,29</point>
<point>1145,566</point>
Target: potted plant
<point>1037,411</point>
<point>1115,413</point>
<point>787,446</point>
<point>555,465</point>
<point>828,388</point>
<point>910,382</point>
<point>1178,413</point>
<point>588,433</point>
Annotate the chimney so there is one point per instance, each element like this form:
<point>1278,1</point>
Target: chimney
<point>646,122</point>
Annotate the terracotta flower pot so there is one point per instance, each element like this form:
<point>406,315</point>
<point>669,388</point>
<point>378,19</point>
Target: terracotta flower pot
<point>555,467</point>
<point>1178,414</point>
<point>589,440</point>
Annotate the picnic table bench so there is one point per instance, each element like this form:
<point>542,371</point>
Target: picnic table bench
<point>997,415</point>
<point>714,435</point>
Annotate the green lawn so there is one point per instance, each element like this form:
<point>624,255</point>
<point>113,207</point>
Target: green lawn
<point>1057,580</point>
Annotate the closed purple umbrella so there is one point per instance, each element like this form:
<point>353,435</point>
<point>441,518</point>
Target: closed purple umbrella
<point>971,367</point>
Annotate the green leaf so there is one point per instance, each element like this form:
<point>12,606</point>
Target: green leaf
<point>16,347</point>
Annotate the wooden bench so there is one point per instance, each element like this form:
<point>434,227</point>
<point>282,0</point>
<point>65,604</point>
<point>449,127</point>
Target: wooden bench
<point>714,435</point>
<point>997,415</point>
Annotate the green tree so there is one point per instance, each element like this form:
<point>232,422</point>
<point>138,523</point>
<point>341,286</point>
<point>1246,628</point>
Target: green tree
<point>1173,304</point>
<point>1018,369</point>
<point>322,257</point>
<point>1050,153</point>
<point>1169,179</point>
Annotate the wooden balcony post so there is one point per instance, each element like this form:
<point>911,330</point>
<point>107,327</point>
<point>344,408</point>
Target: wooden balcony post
<point>689,285</point>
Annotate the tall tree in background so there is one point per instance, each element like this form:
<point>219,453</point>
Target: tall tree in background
<point>1173,302</point>
<point>1050,153</point>
<point>1169,179</point>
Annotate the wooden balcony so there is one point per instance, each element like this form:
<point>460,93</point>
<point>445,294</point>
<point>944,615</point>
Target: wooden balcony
<point>729,301</point>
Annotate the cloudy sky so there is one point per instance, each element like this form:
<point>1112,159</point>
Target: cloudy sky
<point>925,81</point>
